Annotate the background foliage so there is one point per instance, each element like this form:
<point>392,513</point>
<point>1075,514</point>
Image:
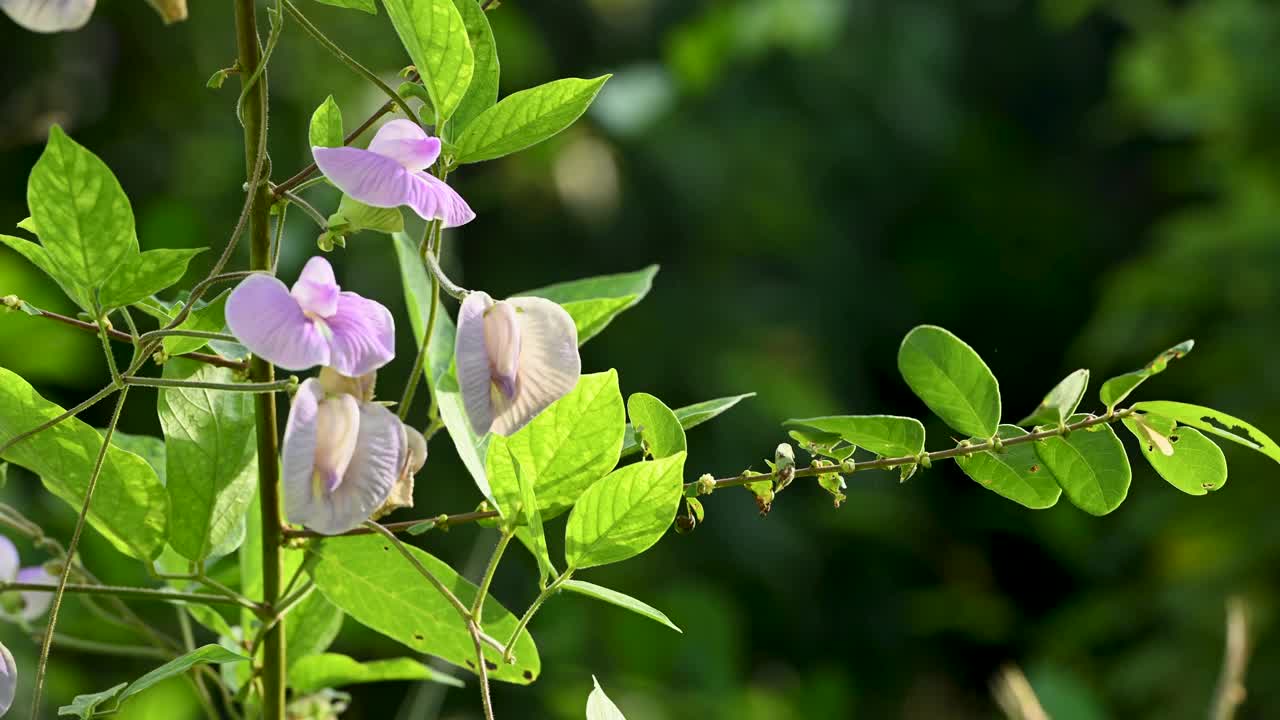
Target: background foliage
<point>815,177</point>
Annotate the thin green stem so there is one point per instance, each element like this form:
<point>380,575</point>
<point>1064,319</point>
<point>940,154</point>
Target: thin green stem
<point>320,220</point>
<point>101,648</point>
<point>543,596</point>
<point>396,527</point>
<point>422,570</point>
<point>349,61</point>
<point>163,333</point>
<point>455,291</point>
<point>250,387</point>
<point>477,607</point>
<point>106,348</point>
<point>47,645</point>
<point>94,400</point>
<point>133,593</point>
<point>482,670</point>
<point>429,241</point>
<point>203,286</point>
<point>278,241</point>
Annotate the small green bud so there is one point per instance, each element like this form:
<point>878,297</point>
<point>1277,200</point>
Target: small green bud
<point>997,444</point>
<point>924,461</point>
<point>706,484</point>
<point>12,302</point>
<point>848,467</point>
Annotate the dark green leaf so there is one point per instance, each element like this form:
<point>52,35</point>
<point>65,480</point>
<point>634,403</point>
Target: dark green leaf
<point>951,379</point>
<point>311,627</point>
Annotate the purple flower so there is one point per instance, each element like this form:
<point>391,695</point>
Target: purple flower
<point>392,173</point>
<point>343,454</point>
<point>49,16</point>
<point>514,357</point>
<point>314,323</point>
<point>34,602</point>
<point>8,679</point>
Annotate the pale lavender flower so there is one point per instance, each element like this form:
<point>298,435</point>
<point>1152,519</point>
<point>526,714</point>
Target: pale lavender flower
<point>314,323</point>
<point>49,16</point>
<point>8,679</point>
<point>392,172</point>
<point>34,602</point>
<point>515,357</point>
<point>343,454</point>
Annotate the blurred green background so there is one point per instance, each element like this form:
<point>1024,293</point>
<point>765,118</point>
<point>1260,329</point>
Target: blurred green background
<point>1062,183</point>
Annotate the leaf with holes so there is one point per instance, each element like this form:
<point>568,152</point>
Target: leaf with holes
<point>1115,390</point>
<point>1017,473</point>
<point>1090,466</point>
<point>1196,465</point>
<point>373,584</point>
<point>625,513</point>
<point>1214,422</point>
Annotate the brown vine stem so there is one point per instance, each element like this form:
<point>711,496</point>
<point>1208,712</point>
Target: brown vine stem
<point>1231,689</point>
<point>704,487</point>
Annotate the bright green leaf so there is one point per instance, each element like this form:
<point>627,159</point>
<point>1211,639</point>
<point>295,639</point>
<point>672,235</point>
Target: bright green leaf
<point>592,316</point>
<point>624,601</point>
<point>1061,402</point>
<point>690,416</point>
<point>944,372</point>
<point>311,627</point>
<point>534,537</point>
<point>599,706</point>
<point>331,670</point>
<point>211,449</point>
<point>1214,423</point>
<point>435,37</point>
<point>482,93</point>
<point>1115,390</point>
<point>129,507</point>
<point>657,427</point>
<point>563,450</point>
<point>210,317</point>
<point>206,655</point>
<point>85,220</point>
<point>210,619</point>
<point>1017,473</point>
<point>144,274</point>
<point>825,444</point>
<point>86,706</point>
<point>884,435</point>
<point>359,217</point>
<point>36,255</point>
<point>368,6</point>
<point>1090,466</point>
<point>624,513</point>
<point>326,122</point>
<point>1196,466</point>
<point>594,302</point>
<point>146,447</point>
<point>372,583</point>
<point>526,118</point>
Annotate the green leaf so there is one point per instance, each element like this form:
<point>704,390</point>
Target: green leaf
<point>146,447</point>
<point>368,6</point>
<point>1017,473</point>
<point>625,513</point>
<point>951,379</point>
<point>144,274</point>
<point>817,442</point>
<point>1115,390</point>
<point>311,627</point>
<point>534,538</point>
<point>563,450</point>
<point>435,37</point>
<point>372,583</point>
<point>884,435</point>
<point>331,670</point>
<point>326,122</point>
<point>690,416</point>
<point>482,93</point>
<point>36,255</point>
<point>527,118</point>
<point>657,427</point>
<point>594,302</point>
<point>1090,465</point>
<point>1196,466</point>
<point>359,217</point>
<point>210,619</point>
<point>210,317</point>
<point>626,602</point>
<point>129,507</point>
<point>86,224</point>
<point>86,706</point>
<point>1214,422</point>
<point>1061,402</point>
<point>211,450</point>
<point>599,706</point>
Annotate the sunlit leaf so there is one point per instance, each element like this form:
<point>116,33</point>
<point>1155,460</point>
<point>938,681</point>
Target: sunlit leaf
<point>657,426</point>
<point>1213,422</point>
<point>1115,390</point>
<point>526,118</point>
<point>331,670</point>
<point>1016,473</point>
<point>326,122</point>
<point>884,435</point>
<point>690,416</point>
<point>1061,402</point>
<point>482,93</point>
<point>145,274</point>
<point>1090,465</point>
<point>1195,464</point>
<point>435,37</point>
<point>599,706</point>
<point>951,379</point>
<point>624,513</point>
<point>622,600</point>
<point>594,302</point>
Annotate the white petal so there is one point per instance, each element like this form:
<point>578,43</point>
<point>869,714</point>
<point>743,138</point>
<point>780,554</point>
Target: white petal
<point>502,345</point>
<point>49,16</point>
<point>298,453</point>
<point>473,361</point>
<point>8,679</point>
<point>337,429</point>
<point>373,471</point>
<point>9,562</point>
<point>549,363</point>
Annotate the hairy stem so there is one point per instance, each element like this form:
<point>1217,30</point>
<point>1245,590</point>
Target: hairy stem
<point>47,645</point>
<point>251,387</point>
<point>320,220</point>
<point>258,212</point>
<point>482,670</point>
<point>543,596</point>
<point>477,608</point>
<point>133,593</point>
<point>455,291</point>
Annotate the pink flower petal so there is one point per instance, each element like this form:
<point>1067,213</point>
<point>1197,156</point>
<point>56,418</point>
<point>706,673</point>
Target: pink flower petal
<point>8,679</point>
<point>472,359</point>
<point>549,363</point>
<point>371,178</point>
<point>362,336</point>
<point>269,322</point>
<point>316,289</point>
<point>49,16</point>
<point>298,453</point>
<point>406,143</point>
<point>9,562</point>
<point>35,602</point>
<point>433,199</point>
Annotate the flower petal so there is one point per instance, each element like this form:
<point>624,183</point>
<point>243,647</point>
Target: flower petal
<point>337,427</point>
<point>472,359</point>
<point>374,468</point>
<point>502,345</point>
<point>371,178</point>
<point>433,199</point>
<point>35,602</point>
<point>362,335</point>
<point>406,143</point>
<point>298,453</point>
<point>9,562</point>
<point>269,322</point>
<point>549,363</point>
<point>49,16</point>
<point>316,289</point>
<point>8,679</point>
